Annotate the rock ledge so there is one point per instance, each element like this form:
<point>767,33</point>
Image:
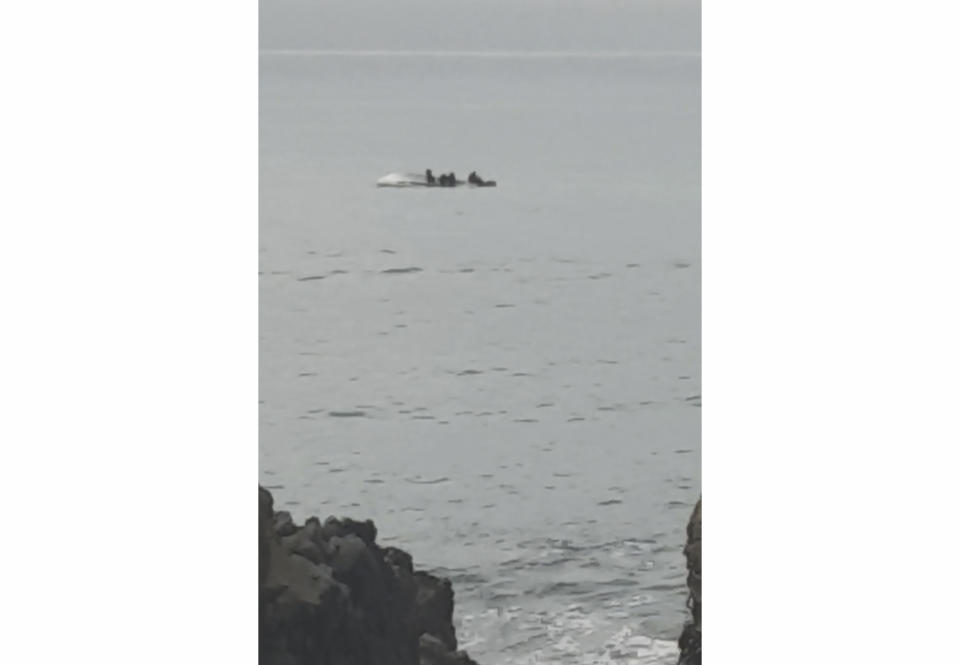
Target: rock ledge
<point>330,595</point>
<point>690,638</point>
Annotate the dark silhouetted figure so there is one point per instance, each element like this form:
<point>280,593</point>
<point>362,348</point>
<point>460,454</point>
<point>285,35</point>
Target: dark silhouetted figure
<point>475,179</point>
<point>452,179</point>
<point>443,180</point>
<point>430,179</point>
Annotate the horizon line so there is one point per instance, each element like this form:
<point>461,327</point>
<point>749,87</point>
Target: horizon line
<point>477,54</point>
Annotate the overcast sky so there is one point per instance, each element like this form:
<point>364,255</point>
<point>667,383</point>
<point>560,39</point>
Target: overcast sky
<point>550,25</point>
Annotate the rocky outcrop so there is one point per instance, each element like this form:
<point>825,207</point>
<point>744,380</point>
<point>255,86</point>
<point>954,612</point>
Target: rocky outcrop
<point>690,638</point>
<point>330,595</point>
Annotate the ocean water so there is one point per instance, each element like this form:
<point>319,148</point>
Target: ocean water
<point>506,380</point>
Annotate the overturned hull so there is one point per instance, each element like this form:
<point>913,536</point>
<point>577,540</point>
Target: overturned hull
<point>420,180</point>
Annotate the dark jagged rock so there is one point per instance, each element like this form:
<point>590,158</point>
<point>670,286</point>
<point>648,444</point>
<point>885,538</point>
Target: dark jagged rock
<point>266,533</point>
<point>300,542</point>
<point>691,639</point>
<point>283,524</point>
<point>365,531</point>
<point>329,595</point>
<point>398,558</point>
<point>435,608</point>
<point>434,652</point>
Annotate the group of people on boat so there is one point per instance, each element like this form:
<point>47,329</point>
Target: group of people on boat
<point>450,179</point>
<point>445,179</point>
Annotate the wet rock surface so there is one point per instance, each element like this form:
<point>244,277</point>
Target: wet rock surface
<point>329,595</point>
<point>690,638</point>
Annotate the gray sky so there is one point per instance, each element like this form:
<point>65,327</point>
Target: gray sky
<point>550,25</point>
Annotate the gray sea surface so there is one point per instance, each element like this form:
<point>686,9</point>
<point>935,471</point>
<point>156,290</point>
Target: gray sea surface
<point>506,380</point>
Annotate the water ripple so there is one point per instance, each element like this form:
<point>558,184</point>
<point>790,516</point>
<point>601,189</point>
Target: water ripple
<point>420,481</point>
<point>401,271</point>
<point>348,414</point>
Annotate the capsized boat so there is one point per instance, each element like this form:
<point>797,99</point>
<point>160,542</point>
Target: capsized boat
<point>420,180</point>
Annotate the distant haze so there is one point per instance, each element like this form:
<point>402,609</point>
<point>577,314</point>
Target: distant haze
<point>514,25</point>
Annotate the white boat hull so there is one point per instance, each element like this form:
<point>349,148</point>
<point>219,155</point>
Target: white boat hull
<point>420,180</point>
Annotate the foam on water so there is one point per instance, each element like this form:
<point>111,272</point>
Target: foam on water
<point>513,636</point>
<point>402,180</point>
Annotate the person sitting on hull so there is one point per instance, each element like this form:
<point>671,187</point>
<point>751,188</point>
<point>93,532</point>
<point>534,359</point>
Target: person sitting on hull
<point>474,179</point>
<point>451,179</point>
<point>430,179</point>
<point>442,181</point>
